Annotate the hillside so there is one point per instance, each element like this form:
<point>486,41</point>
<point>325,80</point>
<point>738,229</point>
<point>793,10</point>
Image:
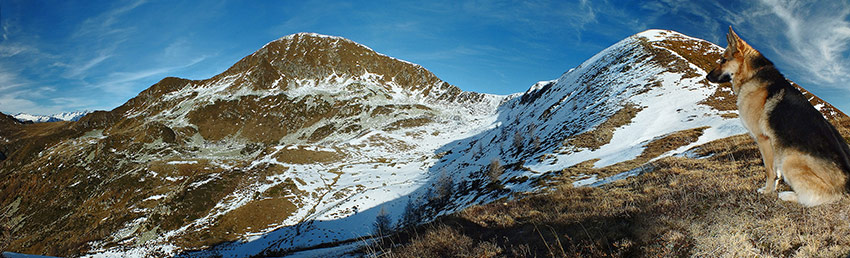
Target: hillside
<point>700,205</point>
<point>678,193</point>
<point>694,196</point>
<point>302,144</point>
<point>310,127</point>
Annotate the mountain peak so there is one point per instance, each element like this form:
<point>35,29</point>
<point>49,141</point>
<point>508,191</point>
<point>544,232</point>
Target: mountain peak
<point>309,59</point>
<point>310,34</point>
<point>311,37</point>
<point>314,45</point>
<point>322,73</point>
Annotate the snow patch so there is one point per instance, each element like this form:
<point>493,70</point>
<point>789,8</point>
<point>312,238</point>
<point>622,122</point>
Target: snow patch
<point>182,162</point>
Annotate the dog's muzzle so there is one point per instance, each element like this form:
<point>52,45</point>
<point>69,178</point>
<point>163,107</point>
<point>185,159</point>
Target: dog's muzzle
<point>716,76</point>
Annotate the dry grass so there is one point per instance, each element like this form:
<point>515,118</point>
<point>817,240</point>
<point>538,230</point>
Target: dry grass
<point>603,133</point>
<point>446,241</point>
<point>653,149</point>
<point>253,216</point>
<point>704,207</point>
<point>322,132</point>
<point>408,123</point>
<point>306,156</point>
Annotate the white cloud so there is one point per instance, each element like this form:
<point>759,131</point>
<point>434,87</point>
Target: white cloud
<point>17,100</point>
<point>98,35</point>
<point>538,17</point>
<point>39,100</point>
<point>817,37</point>
<point>10,81</point>
<point>18,94</point>
<point>12,105</point>
<point>9,50</point>
<point>75,71</point>
<point>103,24</point>
<point>120,83</point>
<point>16,104</point>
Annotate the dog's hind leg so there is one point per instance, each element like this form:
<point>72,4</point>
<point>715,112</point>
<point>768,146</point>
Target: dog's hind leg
<point>814,181</point>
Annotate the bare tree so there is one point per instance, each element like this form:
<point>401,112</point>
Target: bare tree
<point>445,186</point>
<point>495,170</point>
<point>518,141</point>
<point>535,140</point>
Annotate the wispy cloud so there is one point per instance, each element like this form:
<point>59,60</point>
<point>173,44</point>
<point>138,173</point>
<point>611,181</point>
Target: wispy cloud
<point>101,35</point>
<point>20,95</point>
<point>12,49</point>
<point>12,104</point>
<point>120,83</point>
<point>103,24</point>
<point>9,80</point>
<point>75,71</point>
<point>22,101</point>
<point>817,35</point>
<point>538,17</point>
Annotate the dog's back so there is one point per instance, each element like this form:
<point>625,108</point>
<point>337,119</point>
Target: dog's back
<point>798,125</point>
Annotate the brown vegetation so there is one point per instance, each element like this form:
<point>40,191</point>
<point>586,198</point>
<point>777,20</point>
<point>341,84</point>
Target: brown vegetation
<point>408,123</point>
<point>306,156</point>
<point>256,215</point>
<point>603,133</point>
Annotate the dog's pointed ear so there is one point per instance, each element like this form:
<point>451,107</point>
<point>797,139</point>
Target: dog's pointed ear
<point>739,44</point>
<point>732,40</point>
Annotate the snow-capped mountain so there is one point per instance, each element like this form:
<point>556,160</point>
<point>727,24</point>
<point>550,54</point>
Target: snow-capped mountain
<point>303,143</point>
<point>66,116</point>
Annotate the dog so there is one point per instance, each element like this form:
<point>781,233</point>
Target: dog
<point>796,142</point>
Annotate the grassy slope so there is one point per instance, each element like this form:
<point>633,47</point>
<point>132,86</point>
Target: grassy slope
<point>706,207</point>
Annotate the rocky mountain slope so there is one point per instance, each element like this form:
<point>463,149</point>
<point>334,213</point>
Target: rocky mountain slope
<point>303,143</point>
<point>290,134</point>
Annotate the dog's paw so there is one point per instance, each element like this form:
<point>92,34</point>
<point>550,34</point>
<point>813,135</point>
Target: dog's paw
<point>788,196</point>
<point>765,190</point>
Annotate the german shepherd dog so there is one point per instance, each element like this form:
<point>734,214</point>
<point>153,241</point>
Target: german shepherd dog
<point>795,141</point>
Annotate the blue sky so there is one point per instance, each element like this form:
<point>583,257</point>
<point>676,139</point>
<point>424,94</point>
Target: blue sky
<point>58,56</point>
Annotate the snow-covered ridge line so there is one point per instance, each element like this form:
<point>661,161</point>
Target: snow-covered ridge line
<point>66,116</point>
<point>658,35</point>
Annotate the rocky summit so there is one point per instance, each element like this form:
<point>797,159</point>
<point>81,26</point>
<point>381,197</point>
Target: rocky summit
<point>302,144</point>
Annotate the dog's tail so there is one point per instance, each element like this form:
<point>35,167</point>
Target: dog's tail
<point>846,167</point>
<point>843,157</point>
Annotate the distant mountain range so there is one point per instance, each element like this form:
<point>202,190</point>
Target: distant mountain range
<point>302,144</point>
<point>67,116</point>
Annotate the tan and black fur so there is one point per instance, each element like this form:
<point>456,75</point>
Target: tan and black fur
<point>795,140</point>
